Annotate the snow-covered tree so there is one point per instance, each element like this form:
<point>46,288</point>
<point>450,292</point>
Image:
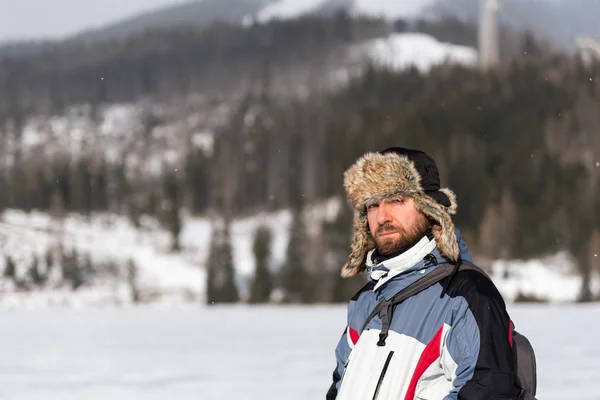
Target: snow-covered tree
<point>220,285</point>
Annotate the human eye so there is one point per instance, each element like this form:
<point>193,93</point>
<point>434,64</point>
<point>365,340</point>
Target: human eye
<point>372,206</point>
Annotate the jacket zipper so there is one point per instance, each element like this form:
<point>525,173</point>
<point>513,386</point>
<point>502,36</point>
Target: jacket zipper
<point>345,369</point>
<point>385,367</point>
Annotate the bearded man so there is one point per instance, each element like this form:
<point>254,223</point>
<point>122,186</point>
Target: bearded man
<point>451,340</point>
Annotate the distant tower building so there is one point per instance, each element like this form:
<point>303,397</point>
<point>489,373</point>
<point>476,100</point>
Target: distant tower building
<point>488,33</point>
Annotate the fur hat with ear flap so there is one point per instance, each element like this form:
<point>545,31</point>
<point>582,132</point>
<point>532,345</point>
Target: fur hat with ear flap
<point>397,172</point>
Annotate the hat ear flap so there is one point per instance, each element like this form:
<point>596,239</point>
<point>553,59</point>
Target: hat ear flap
<point>362,243</point>
<point>443,227</point>
<point>452,197</point>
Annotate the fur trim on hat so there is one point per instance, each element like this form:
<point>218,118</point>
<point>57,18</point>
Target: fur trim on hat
<point>377,176</point>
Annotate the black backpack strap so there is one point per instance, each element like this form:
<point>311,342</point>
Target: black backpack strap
<point>462,265</point>
<point>385,307</point>
<point>466,265</point>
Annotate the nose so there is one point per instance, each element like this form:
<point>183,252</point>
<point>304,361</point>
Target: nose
<point>383,214</point>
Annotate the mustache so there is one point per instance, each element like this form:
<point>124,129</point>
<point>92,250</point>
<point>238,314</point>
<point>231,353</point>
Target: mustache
<point>386,229</point>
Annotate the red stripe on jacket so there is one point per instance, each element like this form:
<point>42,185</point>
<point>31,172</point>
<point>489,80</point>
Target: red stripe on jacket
<point>431,353</point>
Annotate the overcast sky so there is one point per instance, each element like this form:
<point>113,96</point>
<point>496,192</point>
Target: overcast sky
<point>51,19</point>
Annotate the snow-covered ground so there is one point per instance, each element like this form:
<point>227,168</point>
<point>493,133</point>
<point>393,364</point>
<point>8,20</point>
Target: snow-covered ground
<point>389,9</point>
<point>169,277</point>
<point>554,279</point>
<point>246,353</point>
<point>393,9</point>
<point>402,50</point>
<point>288,9</point>
<point>108,240</point>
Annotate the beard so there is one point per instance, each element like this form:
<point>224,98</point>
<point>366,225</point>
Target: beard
<point>393,245</point>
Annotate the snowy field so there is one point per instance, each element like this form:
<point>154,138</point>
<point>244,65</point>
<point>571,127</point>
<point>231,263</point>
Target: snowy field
<point>238,353</point>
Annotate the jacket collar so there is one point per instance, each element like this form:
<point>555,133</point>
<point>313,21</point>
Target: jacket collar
<point>411,274</point>
<point>382,272</point>
<point>389,288</point>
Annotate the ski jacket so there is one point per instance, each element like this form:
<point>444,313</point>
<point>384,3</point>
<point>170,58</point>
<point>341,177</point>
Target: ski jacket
<point>451,341</point>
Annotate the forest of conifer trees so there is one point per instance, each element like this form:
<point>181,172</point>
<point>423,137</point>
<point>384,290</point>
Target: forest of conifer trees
<point>519,145</point>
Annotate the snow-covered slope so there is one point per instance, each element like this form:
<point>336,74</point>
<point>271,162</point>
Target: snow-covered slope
<point>111,242</point>
<point>393,9</point>
<point>177,278</point>
<point>553,279</point>
<point>143,135</point>
<point>556,21</point>
<point>389,9</point>
<point>288,9</point>
<point>402,50</point>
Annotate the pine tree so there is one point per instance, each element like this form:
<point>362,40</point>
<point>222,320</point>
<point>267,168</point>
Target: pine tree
<point>88,265</point>
<point>197,179</point>
<point>10,269</point>
<point>57,206</point>
<point>66,265</point>
<point>48,258</point>
<point>34,272</point>
<point>172,217</point>
<point>77,278</point>
<point>293,277</point>
<point>220,285</point>
<point>71,270</point>
<point>132,281</point>
<point>262,284</point>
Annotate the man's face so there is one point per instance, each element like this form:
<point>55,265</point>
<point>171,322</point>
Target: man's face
<point>396,224</point>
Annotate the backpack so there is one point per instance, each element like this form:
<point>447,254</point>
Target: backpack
<point>524,355</point>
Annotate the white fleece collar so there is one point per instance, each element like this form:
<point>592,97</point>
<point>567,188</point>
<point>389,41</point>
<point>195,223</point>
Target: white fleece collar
<point>386,270</point>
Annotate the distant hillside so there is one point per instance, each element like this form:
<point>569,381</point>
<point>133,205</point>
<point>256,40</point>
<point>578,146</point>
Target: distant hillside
<point>558,22</point>
<point>285,55</point>
<point>19,49</point>
<point>194,14</point>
